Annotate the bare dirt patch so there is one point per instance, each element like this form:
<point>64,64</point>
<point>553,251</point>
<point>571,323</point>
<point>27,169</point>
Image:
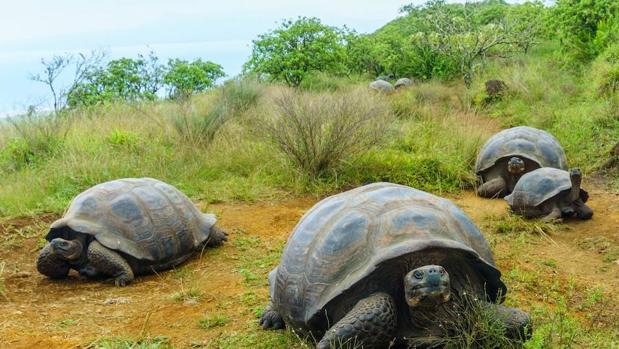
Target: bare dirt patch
<point>217,295</point>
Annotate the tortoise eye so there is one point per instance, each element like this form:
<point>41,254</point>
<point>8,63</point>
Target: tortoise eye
<point>418,274</point>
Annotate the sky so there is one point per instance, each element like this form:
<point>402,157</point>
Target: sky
<point>220,31</point>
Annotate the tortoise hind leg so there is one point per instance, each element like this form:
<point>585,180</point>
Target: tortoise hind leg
<point>554,215</point>
<point>371,324</point>
<point>493,188</point>
<point>517,322</point>
<point>108,262</point>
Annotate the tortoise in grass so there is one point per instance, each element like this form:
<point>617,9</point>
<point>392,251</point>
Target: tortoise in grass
<point>509,154</point>
<point>124,228</point>
<point>403,82</point>
<point>382,86</point>
<point>383,265</point>
<point>550,193</point>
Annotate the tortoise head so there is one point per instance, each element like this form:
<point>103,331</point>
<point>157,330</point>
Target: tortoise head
<point>427,286</point>
<point>515,166</point>
<point>575,177</point>
<point>69,249</point>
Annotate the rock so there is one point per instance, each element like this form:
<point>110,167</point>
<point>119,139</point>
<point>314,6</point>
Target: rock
<point>495,88</point>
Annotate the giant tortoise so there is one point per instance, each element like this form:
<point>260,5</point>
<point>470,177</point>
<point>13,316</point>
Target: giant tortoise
<point>383,265</point>
<point>509,154</point>
<point>550,193</point>
<point>126,227</point>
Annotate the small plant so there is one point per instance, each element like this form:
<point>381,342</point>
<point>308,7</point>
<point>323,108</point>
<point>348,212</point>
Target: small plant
<point>318,132</point>
<point>470,324</point>
<point>212,321</point>
<point>513,224</point>
<point>187,295</point>
<point>200,128</point>
<point>129,343</point>
<point>122,138</point>
<point>241,94</point>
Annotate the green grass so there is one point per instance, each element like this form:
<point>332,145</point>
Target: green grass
<point>561,102</point>
<point>129,343</point>
<point>213,321</point>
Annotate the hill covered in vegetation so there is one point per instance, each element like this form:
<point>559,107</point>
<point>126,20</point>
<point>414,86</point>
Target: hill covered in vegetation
<point>301,121</point>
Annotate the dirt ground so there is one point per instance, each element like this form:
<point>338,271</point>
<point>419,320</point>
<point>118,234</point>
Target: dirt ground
<point>36,312</point>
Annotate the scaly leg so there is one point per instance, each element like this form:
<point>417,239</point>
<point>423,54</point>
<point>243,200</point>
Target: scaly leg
<point>371,324</point>
<point>109,262</point>
<point>517,322</point>
<point>492,189</point>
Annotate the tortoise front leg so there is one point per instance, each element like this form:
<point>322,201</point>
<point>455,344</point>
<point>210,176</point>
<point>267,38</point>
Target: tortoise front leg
<point>582,210</point>
<point>517,322</point>
<point>52,264</point>
<point>109,262</point>
<point>493,188</point>
<point>217,237</point>
<point>270,319</point>
<point>371,324</point>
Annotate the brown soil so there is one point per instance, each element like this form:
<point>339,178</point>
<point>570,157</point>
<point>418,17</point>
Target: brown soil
<point>39,313</point>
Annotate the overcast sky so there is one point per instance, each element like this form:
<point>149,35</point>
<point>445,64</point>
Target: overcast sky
<point>220,31</point>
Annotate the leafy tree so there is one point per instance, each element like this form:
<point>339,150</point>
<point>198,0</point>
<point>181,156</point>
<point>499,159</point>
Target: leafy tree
<point>184,78</point>
<point>459,36</point>
<point>57,66</point>
<point>123,79</point>
<point>576,24</point>
<point>296,48</point>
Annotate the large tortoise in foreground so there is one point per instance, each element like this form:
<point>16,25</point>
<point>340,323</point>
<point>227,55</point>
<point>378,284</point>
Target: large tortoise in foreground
<point>383,265</point>
<point>509,154</point>
<point>124,228</point>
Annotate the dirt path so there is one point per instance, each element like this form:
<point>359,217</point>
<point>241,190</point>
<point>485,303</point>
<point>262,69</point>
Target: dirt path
<point>227,286</point>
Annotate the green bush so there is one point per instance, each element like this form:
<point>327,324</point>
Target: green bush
<point>184,79</point>
<point>318,132</point>
<point>605,71</point>
<point>576,24</point>
<point>241,94</point>
<point>297,48</point>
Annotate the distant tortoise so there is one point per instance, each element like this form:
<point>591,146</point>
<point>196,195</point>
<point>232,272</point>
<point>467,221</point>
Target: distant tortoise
<point>124,228</point>
<point>381,264</point>
<point>403,82</point>
<point>550,193</point>
<point>382,86</point>
<point>509,154</point>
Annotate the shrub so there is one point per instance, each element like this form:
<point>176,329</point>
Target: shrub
<point>199,128</point>
<point>241,94</point>
<point>317,132</point>
<point>36,137</point>
<point>605,71</point>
